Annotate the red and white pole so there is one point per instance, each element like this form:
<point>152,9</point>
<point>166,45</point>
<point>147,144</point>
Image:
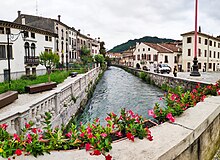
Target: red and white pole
<point>196,34</point>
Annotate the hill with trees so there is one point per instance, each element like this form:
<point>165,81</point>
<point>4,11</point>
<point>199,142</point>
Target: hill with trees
<point>124,46</point>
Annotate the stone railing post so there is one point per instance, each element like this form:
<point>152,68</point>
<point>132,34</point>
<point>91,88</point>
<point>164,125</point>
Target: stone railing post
<point>57,103</point>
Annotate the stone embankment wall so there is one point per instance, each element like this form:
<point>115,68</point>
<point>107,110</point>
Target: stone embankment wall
<point>62,102</point>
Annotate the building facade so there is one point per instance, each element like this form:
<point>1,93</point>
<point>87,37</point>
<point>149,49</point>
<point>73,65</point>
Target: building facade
<point>24,49</point>
<point>208,53</point>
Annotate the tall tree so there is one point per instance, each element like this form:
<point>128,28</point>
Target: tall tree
<point>49,60</point>
<point>85,56</point>
<point>102,48</point>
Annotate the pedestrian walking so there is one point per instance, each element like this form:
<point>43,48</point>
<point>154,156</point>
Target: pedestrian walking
<point>175,71</point>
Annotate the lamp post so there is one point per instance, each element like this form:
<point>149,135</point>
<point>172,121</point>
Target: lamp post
<point>195,71</point>
<point>11,37</point>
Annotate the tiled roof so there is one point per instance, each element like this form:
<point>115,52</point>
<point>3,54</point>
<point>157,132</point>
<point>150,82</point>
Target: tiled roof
<point>202,34</point>
<point>171,46</point>
<point>157,47</point>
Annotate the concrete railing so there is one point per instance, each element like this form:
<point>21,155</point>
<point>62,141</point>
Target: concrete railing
<point>59,102</point>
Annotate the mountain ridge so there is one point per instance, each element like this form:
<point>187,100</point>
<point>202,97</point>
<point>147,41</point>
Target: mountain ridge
<point>126,45</point>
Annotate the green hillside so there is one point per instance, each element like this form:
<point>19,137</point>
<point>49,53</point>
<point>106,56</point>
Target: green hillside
<point>124,46</point>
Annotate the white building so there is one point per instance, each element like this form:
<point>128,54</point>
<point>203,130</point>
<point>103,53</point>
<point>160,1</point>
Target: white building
<point>208,53</point>
<point>24,52</point>
<point>73,56</point>
<point>148,55</point>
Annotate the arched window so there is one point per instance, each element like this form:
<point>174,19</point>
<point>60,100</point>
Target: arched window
<point>57,42</point>
<point>26,48</point>
<point>62,46</point>
<point>33,49</point>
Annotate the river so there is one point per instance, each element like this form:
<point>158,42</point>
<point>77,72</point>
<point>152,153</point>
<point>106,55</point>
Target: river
<point>119,89</point>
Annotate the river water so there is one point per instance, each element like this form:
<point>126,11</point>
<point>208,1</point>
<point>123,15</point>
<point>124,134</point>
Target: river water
<point>119,89</point>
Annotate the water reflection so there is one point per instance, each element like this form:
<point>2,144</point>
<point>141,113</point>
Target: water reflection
<point>118,89</point>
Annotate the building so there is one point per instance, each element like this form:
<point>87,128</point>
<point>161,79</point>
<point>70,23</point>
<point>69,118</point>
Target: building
<point>24,51</point>
<point>128,58</point>
<point>149,55</point>
<point>68,43</point>
<point>116,58</point>
<point>208,51</point>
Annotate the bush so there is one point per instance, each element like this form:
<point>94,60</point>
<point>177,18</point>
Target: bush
<point>28,77</point>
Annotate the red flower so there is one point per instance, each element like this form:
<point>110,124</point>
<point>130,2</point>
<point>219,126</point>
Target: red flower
<point>87,146</point>
<point>34,130</point>
<point>69,134</point>
<point>108,118</point>
<point>119,134</point>
<point>16,137</point>
<point>203,97</point>
<point>18,152</point>
<point>27,125</point>
<point>209,87</point>
<point>96,153</point>
<point>160,98</point>
<point>88,129</point>
<point>97,120</point>
<point>130,136</point>
<point>113,114</point>
<point>29,140</point>
<point>218,92</point>
<point>194,91</point>
<point>108,157</point>
<point>90,135</point>
<point>82,135</point>
<point>4,126</point>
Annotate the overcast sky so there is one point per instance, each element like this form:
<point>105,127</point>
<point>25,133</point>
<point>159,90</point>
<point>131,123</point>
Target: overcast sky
<point>117,21</point>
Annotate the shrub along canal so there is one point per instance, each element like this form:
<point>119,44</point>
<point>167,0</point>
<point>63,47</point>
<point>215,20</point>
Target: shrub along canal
<point>119,89</point>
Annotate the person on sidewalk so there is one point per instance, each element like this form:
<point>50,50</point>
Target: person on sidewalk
<point>175,71</point>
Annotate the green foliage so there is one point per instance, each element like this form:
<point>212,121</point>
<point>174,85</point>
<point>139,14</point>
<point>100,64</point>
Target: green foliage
<point>28,77</point>
<point>99,58</point>
<point>86,57</point>
<point>102,48</point>
<point>125,46</point>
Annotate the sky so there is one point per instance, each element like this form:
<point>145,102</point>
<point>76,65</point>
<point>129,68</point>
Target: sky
<point>117,21</point>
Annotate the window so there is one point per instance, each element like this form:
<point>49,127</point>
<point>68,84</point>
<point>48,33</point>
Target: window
<point>57,30</point>
<point>46,38</point>
<point>26,48</point>
<point>57,42</point>
<point>2,52</point>
<point>166,59</point>
<point>134,57</point>
<point>148,49</point>
<point>188,66</point>
<point>32,35</point>
<point>200,65</point>
<point>199,52</point>
<point>50,39</point>
<point>66,47</point>
<point>33,49</point>
<point>210,54</point>
<point>142,56</point>
<point>206,41</point>
<point>62,46</point>
<point>2,30</point>
<point>189,52</point>
<point>138,57</point>
<point>48,50</point>
<point>210,43</point>
<point>143,49</point>
<point>155,57</point>
<point>210,65</point>
<point>26,34</point>
<point>214,54</point>
<point>175,59</point>
<point>138,50</point>
<point>218,55</point>
<point>218,45</point>
<point>200,40</point>
<point>62,33</point>
<point>149,57</point>
<point>205,54</point>
<point>70,40</point>
<point>189,39</point>
<point>214,44</point>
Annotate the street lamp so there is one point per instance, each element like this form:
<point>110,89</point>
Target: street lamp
<point>11,37</point>
<point>195,71</point>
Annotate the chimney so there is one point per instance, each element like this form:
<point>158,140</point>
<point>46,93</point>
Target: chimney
<point>79,30</point>
<point>200,29</point>
<point>23,20</point>
<point>88,35</point>
<point>59,17</point>
<point>19,13</point>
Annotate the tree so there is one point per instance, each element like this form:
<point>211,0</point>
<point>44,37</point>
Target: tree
<point>99,58</point>
<point>49,60</point>
<point>102,48</point>
<point>86,56</point>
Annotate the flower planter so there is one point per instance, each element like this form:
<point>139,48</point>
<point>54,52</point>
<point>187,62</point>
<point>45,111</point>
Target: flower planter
<point>40,87</point>
<point>7,98</point>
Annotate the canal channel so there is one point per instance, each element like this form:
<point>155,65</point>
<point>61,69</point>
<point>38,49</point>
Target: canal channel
<point>119,89</point>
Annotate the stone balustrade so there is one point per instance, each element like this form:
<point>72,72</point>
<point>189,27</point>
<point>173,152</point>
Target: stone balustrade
<point>59,102</point>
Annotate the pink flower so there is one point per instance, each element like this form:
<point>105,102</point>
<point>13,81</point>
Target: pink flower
<point>108,157</point>
<point>218,92</point>
<point>150,112</point>
<point>69,134</point>
<point>18,152</point>
<point>104,135</point>
<point>89,130</point>
<point>173,97</point>
<point>194,91</point>
<point>34,130</point>
<point>119,134</point>
<point>170,117</point>
<point>96,153</point>
<point>40,137</point>
<point>29,140</point>
<point>160,98</point>
<point>203,97</point>
<point>90,135</point>
<point>97,120</point>
<point>113,114</point>
<point>87,146</point>
<point>4,126</point>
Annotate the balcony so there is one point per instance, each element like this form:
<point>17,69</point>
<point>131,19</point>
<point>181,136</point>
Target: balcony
<point>31,60</point>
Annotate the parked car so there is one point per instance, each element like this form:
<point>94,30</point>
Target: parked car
<point>163,68</point>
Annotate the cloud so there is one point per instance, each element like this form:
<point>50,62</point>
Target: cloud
<point>117,21</point>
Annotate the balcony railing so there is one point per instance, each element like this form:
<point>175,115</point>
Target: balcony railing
<point>31,60</point>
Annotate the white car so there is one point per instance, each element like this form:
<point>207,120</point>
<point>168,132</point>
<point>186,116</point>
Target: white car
<point>163,68</point>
